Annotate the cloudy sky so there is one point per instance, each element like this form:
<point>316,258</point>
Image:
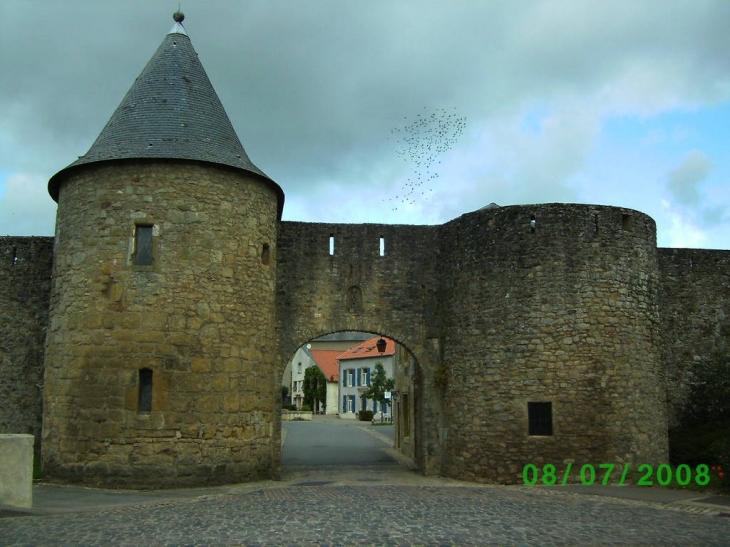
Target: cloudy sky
<point>401,111</point>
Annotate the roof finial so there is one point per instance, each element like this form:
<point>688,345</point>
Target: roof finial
<point>179,17</point>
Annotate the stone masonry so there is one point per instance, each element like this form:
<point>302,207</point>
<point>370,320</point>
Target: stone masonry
<point>167,373</point>
<point>25,284</point>
<point>201,318</point>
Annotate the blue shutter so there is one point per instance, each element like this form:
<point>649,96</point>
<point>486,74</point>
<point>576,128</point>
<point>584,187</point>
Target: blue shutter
<point>344,378</point>
<point>359,377</point>
<point>344,403</point>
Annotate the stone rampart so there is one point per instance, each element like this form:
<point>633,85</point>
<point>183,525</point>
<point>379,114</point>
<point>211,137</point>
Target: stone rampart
<point>571,305</point>
<point>332,277</point>
<point>558,304</point>
<point>695,315</point>
<point>25,286</point>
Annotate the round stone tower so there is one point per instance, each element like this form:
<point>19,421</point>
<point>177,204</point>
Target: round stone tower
<point>160,354</point>
<point>551,345</point>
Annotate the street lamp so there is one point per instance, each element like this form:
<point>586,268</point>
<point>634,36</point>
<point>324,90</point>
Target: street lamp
<point>381,344</point>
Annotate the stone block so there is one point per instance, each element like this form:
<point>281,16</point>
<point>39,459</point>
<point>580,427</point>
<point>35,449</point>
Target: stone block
<point>16,471</point>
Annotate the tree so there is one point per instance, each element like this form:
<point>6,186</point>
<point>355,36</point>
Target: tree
<point>379,384</point>
<point>314,387</point>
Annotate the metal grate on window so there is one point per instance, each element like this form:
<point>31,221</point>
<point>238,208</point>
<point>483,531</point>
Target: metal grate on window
<point>540,418</point>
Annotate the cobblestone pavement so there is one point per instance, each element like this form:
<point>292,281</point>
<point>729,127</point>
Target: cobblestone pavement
<point>311,513</point>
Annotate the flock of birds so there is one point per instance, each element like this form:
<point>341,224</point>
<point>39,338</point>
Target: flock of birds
<point>421,143</point>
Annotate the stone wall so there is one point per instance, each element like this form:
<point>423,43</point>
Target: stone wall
<point>357,289</point>
<point>200,318</point>
<point>567,304</point>
<point>550,303</point>
<point>695,315</point>
<point>25,285</point>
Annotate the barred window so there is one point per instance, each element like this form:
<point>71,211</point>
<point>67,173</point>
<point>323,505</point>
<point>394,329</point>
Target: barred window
<point>540,418</point>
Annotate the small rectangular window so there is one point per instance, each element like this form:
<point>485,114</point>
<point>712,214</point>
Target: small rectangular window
<point>332,245</point>
<point>540,418</point>
<point>145,390</point>
<point>142,245</point>
<point>382,246</point>
<point>627,223</point>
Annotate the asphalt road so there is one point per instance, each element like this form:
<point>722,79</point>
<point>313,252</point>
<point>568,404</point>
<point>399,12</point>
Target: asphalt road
<point>335,443</point>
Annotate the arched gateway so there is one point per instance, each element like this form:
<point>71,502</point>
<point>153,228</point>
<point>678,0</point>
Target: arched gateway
<point>179,294</point>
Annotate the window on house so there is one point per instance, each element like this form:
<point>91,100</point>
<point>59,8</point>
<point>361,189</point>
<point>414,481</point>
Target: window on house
<point>299,368</point>
<point>540,418</point>
<point>142,245</point>
<point>351,377</point>
<point>351,403</point>
<point>366,376</point>
<point>145,390</point>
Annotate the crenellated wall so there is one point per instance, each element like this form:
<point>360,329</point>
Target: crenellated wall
<point>25,286</point>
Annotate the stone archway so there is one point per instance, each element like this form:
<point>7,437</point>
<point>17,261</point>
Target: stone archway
<point>408,407</point>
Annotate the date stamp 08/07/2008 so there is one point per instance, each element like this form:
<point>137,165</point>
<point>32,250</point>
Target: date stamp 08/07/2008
<point>605,474</point>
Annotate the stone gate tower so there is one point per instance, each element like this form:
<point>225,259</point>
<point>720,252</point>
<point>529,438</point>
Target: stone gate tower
<point>159,361</point>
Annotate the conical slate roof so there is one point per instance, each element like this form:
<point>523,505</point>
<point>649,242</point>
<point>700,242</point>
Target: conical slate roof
<point>171,111</point>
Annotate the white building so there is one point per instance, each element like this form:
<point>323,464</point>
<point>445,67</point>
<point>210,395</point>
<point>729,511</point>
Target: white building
<point>321,352</point>
<point>356,369</point>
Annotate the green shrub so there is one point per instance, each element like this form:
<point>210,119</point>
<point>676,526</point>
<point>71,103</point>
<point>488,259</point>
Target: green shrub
<point>306,408</point>
<point>365,415</point>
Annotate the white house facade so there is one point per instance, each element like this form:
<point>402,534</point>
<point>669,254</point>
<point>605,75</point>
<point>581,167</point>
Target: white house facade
<point>356,369</point>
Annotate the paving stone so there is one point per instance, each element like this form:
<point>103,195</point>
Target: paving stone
<point>397,515</point>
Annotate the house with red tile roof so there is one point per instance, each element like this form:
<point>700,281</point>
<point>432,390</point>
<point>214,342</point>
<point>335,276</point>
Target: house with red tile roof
<point>356,367</point>
<point>321,352</point>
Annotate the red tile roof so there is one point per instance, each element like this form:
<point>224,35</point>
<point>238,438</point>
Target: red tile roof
<point>368,349</point>
<point>326,360</point>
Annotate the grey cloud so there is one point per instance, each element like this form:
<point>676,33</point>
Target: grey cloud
<point>683,182</point>
<point>314,88</point>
